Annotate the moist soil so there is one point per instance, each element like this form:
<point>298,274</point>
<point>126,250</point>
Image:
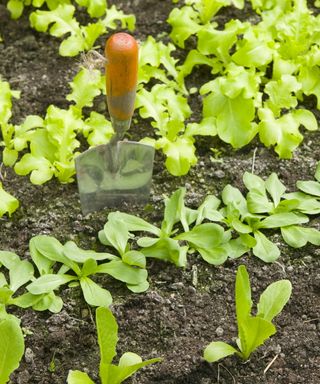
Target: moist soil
<point>184,309</point>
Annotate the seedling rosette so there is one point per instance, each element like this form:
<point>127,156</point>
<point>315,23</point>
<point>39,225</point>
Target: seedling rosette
<point>109,373</point>
<point>252,330</point>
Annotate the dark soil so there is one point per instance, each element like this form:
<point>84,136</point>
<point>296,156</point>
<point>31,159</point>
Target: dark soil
<point>179,315</point>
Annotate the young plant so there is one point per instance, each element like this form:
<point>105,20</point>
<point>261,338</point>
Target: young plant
<point>49,254</point>
<point>308,202</point>
<point>257,212</point>
<point>59,21</point>
<point>129,362</point>
<point>20,272</point>
<point>243,54</point>
<point>163,245</point>
<point>253,331</point>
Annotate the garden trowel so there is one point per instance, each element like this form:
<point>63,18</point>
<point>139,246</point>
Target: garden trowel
<point>121,171</point>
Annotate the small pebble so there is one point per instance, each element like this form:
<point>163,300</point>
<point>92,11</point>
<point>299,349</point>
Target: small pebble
<point>219,331</point>
<point>219,174</point>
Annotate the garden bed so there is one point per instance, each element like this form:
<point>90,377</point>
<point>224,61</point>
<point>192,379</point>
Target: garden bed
<point>184,309</point>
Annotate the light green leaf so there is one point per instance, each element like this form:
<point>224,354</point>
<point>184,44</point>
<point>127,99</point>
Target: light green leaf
<point>209,210</point>
<point>240,227</point>
<point>239,246</point>
<point>310,187</point>
<point>243,294</point>
<point>26,300</point>
<point>205,236</point>
<point>48,283</point>
<point>51,248</point>
<point>123,272</point>
<point>20,273</point>
<point>133,223</point>
<point>298,237</point>
<point>214,256</point>
<point>253,331</point>
<point>168,250</point>
<point>11,347</point>
<point>128,359</point>
<point>138,288</point>
<point>78,377</point>
<point>180,155</point>
<point>282,93</point>
<point>49,302</point>
<point>275,188</point>
<point>253,52</point>
<point>306,203</point>
<point>135,258</point>
<point>283,219</point>
<point>117,235</point>
<point>41,169</point>
<point>258,202</point>
<point>206,127</point>
<point>234,117</point>
<point>119,373</point>
<point>97,129</point>
<point>73,252</point>
<point>284,131</point>
<point>43,264</point>
<point>213,41</point>
<point>89,267</point>
<point>9,259</point>
<point>184,22</point>
<point>85,87</point>
<point>107,329</point>
<point>8,203</point>
<point>218,350</point>
<point>15,8</point>
<point>273,299</point>
<point>264,248</point>
<point>94,294</point>
<point>173,207</point>
<point>252,181</point>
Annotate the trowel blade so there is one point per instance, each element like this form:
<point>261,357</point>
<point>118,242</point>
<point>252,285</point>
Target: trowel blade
<point>110,175</point>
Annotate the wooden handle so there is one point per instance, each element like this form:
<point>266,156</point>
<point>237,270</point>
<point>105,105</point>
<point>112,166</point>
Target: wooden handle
<point>121,52</point>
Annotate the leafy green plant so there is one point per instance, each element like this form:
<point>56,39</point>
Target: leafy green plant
<point>64,264</point>
<point>51,144</point>
<point>182,230</point>
<point>11,346</point>
<point>308,202</point>
<point>283,41</point>
<point>59,21</point>
<point>129,362</point>
<point>20,273</point>
<point>163,245</point>
<point>253,331</point>
<point>258,212</point>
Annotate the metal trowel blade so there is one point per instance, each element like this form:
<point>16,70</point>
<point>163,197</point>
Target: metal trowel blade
<point>109,175</point>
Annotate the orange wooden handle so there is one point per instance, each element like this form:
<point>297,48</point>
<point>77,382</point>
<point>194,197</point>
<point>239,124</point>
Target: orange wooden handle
<point>121,52</point>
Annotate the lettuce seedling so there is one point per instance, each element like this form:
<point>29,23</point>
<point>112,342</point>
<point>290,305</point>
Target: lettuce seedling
<point>256,212</point>
<point>11,346</point>
<point>253,331</point>
<point>60,21</point>
<point>163,245</point>
<point>7,129</point>
<point>20,273</point>
<point>129,363</point>
<point>48,252</point>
